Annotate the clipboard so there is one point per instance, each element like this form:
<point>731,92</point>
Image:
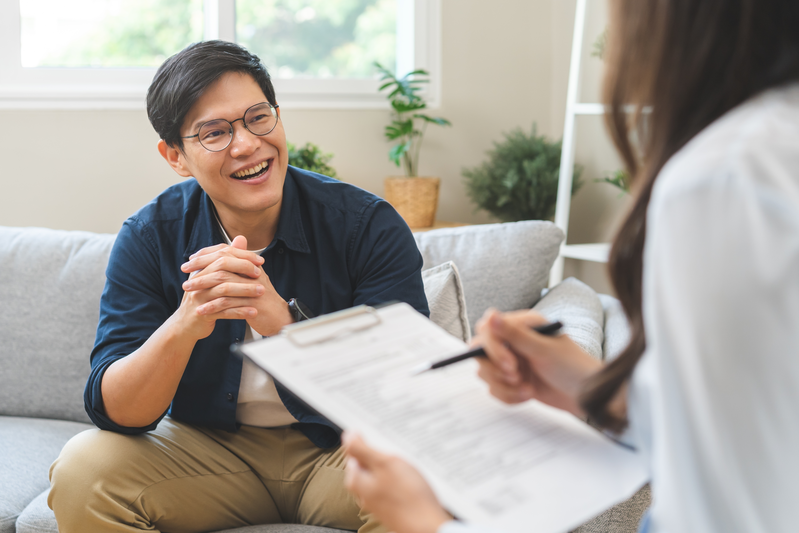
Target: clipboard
<point>319,330</point>
<point>513,468</point>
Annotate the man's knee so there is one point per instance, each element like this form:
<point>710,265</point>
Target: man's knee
<point>88,456</point>
<point>326,501</point>
<point>86,476</point>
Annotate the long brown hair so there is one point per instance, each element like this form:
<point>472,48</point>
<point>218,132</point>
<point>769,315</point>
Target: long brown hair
<point>678,65</point>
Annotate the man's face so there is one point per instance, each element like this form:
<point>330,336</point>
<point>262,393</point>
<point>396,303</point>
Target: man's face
<point>228,98</point>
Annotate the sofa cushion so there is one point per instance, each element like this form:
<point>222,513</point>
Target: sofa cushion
<point>28,446</point>
<point>622,518</point>
<point>501,265</point>
<point>617,328</point>
<point>50,289</point>
<point>442,286</point>
<point>576,305</point>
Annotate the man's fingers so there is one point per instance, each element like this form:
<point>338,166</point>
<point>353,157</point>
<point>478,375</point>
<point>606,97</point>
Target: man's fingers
<point>221,278</point>
<point>206,256</point>
<point>239,242</point>
<point>236,290</point>
<point>220,305</point>
<point>209,250</point>
<point>210,264</point>
<point>233,313</point>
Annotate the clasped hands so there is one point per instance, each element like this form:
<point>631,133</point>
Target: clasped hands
<point>521,365</point>
<point>228,282</point>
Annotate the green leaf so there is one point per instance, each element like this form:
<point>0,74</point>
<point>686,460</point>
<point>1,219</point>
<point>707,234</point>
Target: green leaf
<point>434,120</point>
<point>397,151</point>
<point>405,107</point>
<point>404,97</point>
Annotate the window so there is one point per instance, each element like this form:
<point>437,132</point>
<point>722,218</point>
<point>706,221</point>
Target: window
<point>103,53</point>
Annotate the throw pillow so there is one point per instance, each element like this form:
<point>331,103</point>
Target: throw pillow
<point>617,328</point>
<point>576,305</point>
<point>504,266</point>
<point>442,286</point>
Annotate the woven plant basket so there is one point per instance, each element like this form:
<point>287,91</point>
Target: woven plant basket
<point>415,199</point>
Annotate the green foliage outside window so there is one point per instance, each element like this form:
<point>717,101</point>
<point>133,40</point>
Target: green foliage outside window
<point>520,179</point>
<point>319,38</point>
<point>293,38</point>
<point>144,34</point>
<point>310,157</point>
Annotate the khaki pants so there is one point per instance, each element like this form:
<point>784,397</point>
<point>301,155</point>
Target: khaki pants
<point>182,478</point>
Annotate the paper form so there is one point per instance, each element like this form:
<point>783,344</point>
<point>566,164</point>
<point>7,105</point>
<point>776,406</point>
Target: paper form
<point>517,468</point>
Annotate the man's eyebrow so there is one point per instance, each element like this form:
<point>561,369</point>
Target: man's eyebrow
<point>197,124</point>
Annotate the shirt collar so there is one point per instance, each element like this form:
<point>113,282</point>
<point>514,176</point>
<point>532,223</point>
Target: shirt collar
<point>205,232</point>
<point>290,229</point>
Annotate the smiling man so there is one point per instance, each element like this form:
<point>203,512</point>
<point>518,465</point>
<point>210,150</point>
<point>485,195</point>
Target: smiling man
<point>190,437</point>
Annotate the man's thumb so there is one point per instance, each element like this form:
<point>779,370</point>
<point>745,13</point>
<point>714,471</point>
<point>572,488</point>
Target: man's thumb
<point>240,242</point>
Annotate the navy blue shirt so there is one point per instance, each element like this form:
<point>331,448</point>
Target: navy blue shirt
<point>336,246</point>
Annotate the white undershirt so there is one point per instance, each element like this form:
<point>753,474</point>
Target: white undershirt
<point>713,403</point>
<point>258,403</point>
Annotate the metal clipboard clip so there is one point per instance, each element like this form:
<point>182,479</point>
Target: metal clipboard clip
<point>333,326</point>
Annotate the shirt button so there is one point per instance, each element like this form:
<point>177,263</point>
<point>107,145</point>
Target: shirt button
<point>280,250</point>
<point>230,396</point>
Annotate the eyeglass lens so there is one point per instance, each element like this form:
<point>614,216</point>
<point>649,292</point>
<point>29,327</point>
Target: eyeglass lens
<point>217,134</point>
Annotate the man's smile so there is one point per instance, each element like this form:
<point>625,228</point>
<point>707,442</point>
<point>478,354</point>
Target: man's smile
<point>252,172</point>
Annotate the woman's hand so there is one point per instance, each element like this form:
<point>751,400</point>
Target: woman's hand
<point>391,489</point>
<point>230,284</point>
<point>522,364</point>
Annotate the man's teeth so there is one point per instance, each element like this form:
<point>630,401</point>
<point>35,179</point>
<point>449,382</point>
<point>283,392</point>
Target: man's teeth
<point>251,171</point>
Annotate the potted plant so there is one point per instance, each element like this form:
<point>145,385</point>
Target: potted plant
<point>520,179</point>
<point>415,198</point>
<point>310,157</point>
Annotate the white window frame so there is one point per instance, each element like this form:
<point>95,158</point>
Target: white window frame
<point>418,32</point>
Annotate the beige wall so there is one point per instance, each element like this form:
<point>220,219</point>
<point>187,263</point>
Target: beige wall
<point>504,65</point>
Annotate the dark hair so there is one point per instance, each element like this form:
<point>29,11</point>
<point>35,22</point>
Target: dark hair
<point>685,62</point>
<point>185,76</point>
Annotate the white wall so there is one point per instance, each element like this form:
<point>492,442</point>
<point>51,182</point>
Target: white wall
<point>504,65</point>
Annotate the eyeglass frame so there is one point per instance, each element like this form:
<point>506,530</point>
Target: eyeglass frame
<point>230,123</point>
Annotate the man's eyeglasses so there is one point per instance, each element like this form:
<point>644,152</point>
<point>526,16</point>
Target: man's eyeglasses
<point>215,135</point>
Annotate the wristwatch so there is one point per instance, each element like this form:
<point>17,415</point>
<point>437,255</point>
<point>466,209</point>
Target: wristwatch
<point>299,311</point>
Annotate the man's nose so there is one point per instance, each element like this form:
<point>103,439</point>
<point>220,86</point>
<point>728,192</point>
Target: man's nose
<point>243,142</point>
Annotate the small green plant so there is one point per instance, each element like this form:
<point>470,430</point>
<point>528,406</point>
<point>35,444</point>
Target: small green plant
<point>620,179</point>
<point>520,179</point>
<point>406,105</point>
<point>310,157</point>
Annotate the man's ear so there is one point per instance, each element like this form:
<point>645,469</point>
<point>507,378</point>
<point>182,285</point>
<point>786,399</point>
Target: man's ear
<point>175,157</point>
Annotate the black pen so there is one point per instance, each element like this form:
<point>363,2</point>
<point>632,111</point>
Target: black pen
<point>546,329</point>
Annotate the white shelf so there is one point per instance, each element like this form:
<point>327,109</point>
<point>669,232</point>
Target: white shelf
<point>587,252</point>
<point>589,109</point>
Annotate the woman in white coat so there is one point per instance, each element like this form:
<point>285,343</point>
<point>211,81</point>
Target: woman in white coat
<point>706,266</point>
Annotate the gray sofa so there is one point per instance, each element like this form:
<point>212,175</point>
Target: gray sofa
<point>50,286</point>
